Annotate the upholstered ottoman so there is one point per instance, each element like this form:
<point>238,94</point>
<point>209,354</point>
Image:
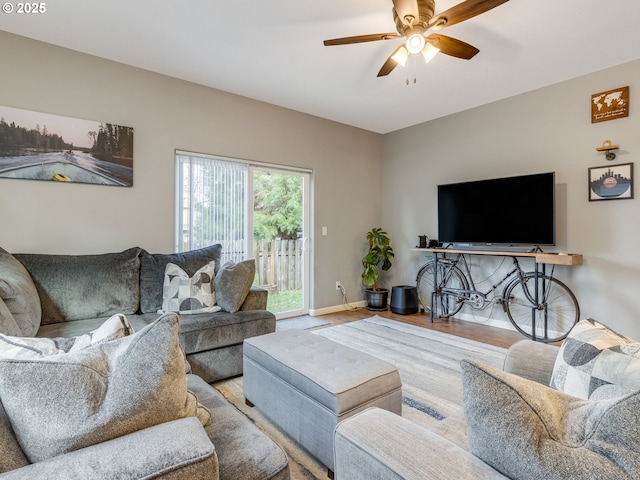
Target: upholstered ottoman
<point>307,384</point>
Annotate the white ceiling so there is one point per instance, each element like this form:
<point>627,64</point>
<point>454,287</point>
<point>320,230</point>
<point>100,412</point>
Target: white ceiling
<point>272,50</point>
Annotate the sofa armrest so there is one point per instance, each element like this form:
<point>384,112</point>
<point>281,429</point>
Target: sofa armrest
<point>172,450</point>
<point>256,299</point>
<point>531,360</point>
<point>379,444</point>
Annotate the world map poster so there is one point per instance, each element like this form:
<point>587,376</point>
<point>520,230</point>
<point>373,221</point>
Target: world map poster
<point>610,105</point>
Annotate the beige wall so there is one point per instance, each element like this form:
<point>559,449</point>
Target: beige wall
<point>169,114</point>
<point>544,130</point>
<point>548,129</point>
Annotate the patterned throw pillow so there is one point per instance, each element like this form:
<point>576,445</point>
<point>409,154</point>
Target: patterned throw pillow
<point>153,265</point>
<point>115,327</point>
<point>185,295</point>
<point>27,347</point>
<point>597,363</point>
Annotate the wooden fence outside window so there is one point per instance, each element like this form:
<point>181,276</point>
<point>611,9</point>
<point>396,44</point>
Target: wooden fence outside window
<point>279,264</point>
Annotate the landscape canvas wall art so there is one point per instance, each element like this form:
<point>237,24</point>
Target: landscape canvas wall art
<point>41,146</point>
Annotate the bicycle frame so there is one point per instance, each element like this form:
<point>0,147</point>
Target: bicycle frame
<point>550,303</point>
<point>465,293</point>
<point>472,295</point>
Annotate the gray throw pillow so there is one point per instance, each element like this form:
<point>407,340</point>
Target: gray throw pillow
<point>152,266</point>
<point>8,324</point>
<point>20,295</point>
<point>232,284</point>
<point>530,431</point>
<point>597,363</point>
<point>77,287</point>
<point>60,403</point>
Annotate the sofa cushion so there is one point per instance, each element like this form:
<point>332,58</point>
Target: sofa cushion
<point>73,287</point>
<point>244,451</point>
<point>188,295</point>
<point>232,284</point>
<point>378,444</point>
<point>597,363</point>
<point>61,403</point>
<point>530,431</point>
<point>20,296</point>
<point>152,266</point>
<point>178,450</point>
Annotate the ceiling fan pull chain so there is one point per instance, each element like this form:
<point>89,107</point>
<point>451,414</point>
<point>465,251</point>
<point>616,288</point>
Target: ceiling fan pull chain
<point>414,68</point>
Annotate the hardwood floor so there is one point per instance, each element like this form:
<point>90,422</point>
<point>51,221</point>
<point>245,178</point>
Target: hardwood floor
<point>482,333</point>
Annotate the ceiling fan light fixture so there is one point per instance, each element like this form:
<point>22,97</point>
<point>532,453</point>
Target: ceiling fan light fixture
<point>429,51</point>
<point>415,43</point>
<point>413,20</point>
<point>401,55</point>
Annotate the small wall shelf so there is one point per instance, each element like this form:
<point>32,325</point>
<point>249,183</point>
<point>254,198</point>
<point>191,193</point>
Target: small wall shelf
<point>607,148</point>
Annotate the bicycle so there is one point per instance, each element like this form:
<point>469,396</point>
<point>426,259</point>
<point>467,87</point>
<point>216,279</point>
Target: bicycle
<point>538,305</point>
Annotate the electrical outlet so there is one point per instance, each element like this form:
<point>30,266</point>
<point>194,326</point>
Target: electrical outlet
<point>339,285</point>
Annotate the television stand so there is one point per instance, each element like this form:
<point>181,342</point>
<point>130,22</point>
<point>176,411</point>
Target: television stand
<point>538,305</point>
<point>498,248</point>
<point>549,258</point>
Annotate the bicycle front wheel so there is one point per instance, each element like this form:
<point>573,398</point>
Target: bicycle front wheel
<point>449,276</point>
<point>556,312</point>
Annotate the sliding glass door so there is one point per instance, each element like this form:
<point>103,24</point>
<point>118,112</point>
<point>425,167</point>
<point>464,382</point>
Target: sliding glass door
<point>255,211</point>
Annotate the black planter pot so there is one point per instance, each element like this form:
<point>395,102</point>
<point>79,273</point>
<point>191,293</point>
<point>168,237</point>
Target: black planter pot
<point>377,300</point>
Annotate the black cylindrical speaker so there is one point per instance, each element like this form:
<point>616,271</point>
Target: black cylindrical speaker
<point>404,300</point>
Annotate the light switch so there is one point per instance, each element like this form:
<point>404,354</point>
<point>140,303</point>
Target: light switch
<point>324,231</point>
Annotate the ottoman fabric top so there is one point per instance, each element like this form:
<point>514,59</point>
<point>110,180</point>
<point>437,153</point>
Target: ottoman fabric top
<point>338,377</point>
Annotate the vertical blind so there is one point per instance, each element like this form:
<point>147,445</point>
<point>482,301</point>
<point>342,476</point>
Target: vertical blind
<point>212,204</point>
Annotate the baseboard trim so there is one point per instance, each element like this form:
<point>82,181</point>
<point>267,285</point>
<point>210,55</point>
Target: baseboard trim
<point>492,322</point>
<point>467,317</point>
<point>335,308</point>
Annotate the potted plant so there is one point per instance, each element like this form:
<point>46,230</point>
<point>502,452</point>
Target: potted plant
<point>377,258</point>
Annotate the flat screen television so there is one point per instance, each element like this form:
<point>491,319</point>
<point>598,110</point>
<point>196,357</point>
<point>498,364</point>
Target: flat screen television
<point>502,211</point>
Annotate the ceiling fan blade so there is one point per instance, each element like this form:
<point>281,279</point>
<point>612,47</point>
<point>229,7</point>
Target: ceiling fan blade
<point>361,39</point>
<point>390,64</point>
<point>452,46</point>
<point>463,11</point>
<point>406,8</point>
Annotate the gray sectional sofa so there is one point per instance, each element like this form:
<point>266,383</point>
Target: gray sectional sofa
<point>515,424</point>
<point>76,293</point>
<point>47,296</point>
<point>378,444</point>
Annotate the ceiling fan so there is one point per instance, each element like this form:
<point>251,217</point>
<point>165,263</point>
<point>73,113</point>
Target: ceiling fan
<point>414,18</point>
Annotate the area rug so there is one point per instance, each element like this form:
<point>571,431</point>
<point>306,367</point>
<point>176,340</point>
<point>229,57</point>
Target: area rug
<point>428,360</point>
<point>429,366</point>
<point>299,323</point>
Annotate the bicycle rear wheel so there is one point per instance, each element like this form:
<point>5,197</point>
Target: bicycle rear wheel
<point>554,316</point>
<point>449,276</point>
